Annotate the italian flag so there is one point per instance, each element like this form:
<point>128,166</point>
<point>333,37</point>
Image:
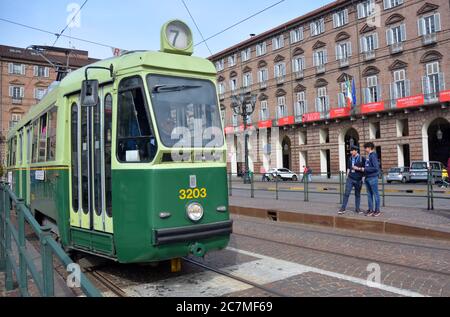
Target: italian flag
<point>348,93</point>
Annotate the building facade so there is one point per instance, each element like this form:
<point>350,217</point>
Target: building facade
<point>347,73</point>
<point>25,76</point>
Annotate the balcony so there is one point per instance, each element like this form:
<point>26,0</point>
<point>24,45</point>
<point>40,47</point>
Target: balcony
<point>16,101</point>
<point>300,108</point>
<point>344,62</point>
<point>432,85</point>
<point>222,96</point>
<point>247,89</point>
<point>280,80</point>
<point>369,55</point>
<point>399,90</point>
<point>396,48</point>
<point>320,69</point>
<point>323,105</point>
<point>429,39</point>
<point>263,85</point>
<point>299,74</point>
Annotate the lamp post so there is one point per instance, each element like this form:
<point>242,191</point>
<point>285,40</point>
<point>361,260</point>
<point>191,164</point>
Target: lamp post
<point>244,105</point>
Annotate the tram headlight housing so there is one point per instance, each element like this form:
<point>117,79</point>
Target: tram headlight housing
<point>195,212</point>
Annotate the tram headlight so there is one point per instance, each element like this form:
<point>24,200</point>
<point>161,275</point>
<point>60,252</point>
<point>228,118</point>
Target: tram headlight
<point>195,212</point>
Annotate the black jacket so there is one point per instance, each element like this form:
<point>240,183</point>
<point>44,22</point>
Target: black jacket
<point>356,175</point>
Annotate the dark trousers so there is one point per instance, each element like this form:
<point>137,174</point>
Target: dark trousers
<point>351,183</point>
<point>373,194</point>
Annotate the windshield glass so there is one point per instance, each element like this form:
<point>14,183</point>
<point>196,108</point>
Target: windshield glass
<point>186,112</point>
<point>419,166</point>
<point>394,170</point>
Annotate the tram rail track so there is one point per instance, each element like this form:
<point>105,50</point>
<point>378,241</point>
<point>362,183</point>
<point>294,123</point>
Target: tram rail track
<point>106,282</point>
<point>335,234</point>
<point>237,278</point>
<point>368,259</point>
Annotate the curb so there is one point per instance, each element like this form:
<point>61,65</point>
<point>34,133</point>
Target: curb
<point>340,222</point>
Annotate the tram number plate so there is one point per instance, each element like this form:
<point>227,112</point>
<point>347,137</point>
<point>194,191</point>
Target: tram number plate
<point>195,193</point>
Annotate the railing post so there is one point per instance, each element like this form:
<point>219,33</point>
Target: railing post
<point>47,264</point>
<point>23,271</point>
<point>2,232</point>
<point>9,283</point>
<point>252,180</point>
<point>431,191</point>
<point>383,189</point>
<point>276,187</point>
<point>306,187</point>
<point>230,183</point>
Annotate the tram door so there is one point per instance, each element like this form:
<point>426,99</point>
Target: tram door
<point>91,143</point>
<point>27,159</point>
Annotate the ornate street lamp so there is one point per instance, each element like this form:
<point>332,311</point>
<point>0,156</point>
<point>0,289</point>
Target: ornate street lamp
<point>244,105</point>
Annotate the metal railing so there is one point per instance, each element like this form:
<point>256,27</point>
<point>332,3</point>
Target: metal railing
<point>330,184</point>
<point>9,234</point>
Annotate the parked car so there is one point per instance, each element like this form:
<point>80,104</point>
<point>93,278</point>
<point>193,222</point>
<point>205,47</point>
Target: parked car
<point>419,171</point>
<point>399,174</point>
<point>281,174</point>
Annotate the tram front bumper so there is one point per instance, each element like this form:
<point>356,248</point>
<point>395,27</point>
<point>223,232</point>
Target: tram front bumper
<point>195,233</point>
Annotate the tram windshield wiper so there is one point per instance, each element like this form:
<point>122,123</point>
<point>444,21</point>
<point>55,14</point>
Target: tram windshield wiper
<point>169,88</point>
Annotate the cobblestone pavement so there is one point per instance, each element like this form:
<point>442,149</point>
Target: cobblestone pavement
<point>295,260</point>
<point>299,261</point>
<point>437,219</point>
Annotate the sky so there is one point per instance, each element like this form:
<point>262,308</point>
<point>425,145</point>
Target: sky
<point>136,24</point>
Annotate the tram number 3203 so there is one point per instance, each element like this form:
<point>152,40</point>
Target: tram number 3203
<point>196,193</point>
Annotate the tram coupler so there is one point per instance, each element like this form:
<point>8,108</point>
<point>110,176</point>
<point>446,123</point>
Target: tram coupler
<point>175,265</point>
<point>198,250</point>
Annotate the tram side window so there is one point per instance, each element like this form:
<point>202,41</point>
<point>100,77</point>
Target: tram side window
<point>34,157</point>
<point>20,149</point>
<point>51,134</point>
<point>13,151</point>
<point>136,142</point>
<point>108,144</point>
<point>42,137</point>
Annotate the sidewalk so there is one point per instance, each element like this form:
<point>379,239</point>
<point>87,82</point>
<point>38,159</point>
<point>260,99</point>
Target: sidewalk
<point>403,221</point>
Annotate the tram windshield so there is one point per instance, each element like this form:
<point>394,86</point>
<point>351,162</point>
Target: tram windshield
<point>186,111</point>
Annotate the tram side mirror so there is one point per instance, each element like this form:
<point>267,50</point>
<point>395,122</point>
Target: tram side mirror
<point>89,93</point>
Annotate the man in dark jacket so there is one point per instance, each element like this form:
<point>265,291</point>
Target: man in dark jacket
<point>354,180</point>
<point>371,172</point>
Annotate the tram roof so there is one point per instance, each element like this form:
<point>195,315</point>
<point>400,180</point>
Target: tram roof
<point>122,65</point>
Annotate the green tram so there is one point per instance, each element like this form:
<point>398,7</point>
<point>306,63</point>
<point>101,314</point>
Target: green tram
<point>113,161</point>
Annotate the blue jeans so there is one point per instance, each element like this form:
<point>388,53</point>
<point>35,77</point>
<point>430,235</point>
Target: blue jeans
<point>373,194</point>
<point>351,183</point>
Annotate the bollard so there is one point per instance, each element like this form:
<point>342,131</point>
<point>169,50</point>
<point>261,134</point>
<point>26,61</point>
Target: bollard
<point>252,188</point>
<point>22,278</point>
<point>341,176</point>
<point>383,189</point>
<point>47,264</point>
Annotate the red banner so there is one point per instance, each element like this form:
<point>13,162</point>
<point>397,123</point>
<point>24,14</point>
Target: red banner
<point>286,121</point>
<point>412,101</point>
<point>444,96</point>
<point>372,107</point>
<point>229,130</point>
<point>311,117</point>
<point>340,112</point>
<point>265,124</point>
